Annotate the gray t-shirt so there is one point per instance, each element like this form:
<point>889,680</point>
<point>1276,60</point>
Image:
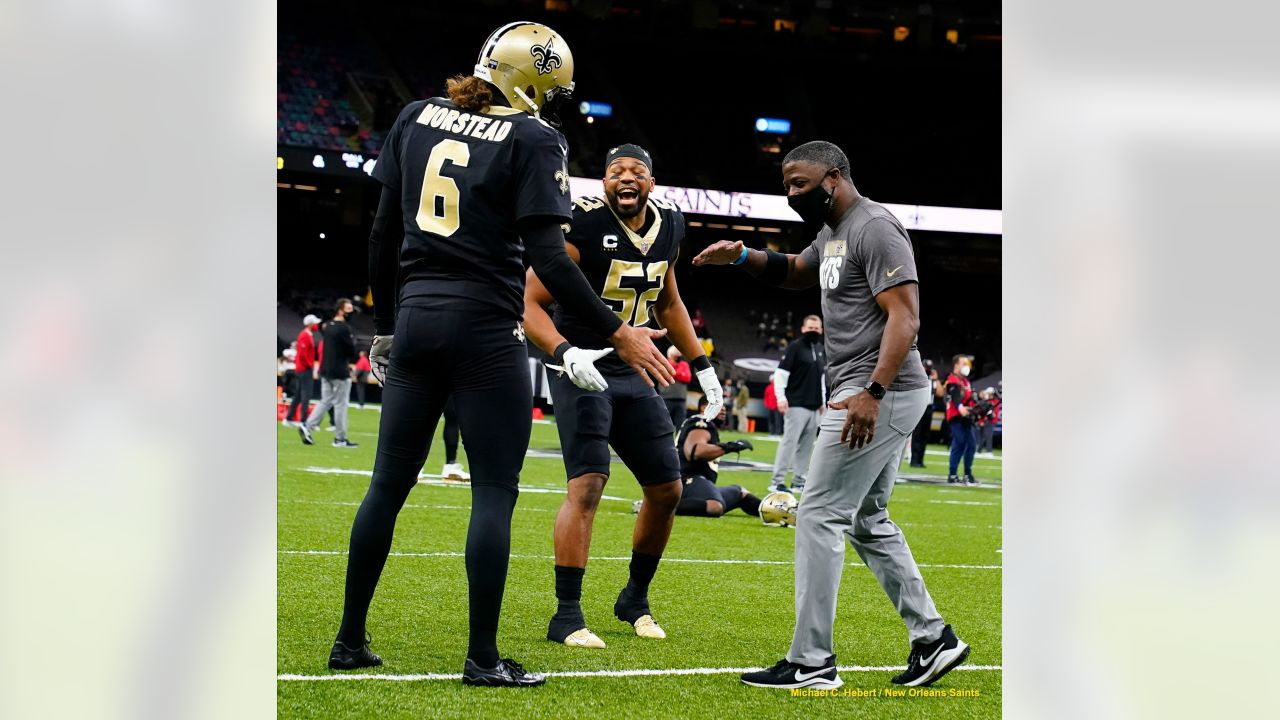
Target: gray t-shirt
<point>868,253</point>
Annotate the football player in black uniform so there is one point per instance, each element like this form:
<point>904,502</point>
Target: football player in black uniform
<point>700,452</point>
<point>465,178</point>
<point>626,245</point>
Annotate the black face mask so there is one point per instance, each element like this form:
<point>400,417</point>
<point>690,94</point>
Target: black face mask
<point>812,206</point>
<point>813,336</point>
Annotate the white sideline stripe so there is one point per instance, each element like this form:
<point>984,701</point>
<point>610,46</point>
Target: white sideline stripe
<point>529,509</point>
<point>290,677</point>
<point>377,407</point>
<point>976,458</point>
<point>436,481</point>
<point>962,502</point>
<point>628,559</point>
<point>408,505</point>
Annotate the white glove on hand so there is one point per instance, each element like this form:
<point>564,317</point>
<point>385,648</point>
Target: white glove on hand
<point>580,364</point>
<point>715,394</point>
<point>380,357</point>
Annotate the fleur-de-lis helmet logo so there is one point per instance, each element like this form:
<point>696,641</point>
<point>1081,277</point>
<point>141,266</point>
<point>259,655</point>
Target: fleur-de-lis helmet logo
<point>545,59</point>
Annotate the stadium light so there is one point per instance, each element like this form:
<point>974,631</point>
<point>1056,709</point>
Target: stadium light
<point>777,126</point>
<point>596,109</point>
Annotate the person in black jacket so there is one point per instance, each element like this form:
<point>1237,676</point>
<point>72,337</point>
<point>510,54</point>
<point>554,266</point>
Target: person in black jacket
<point>338,353</point>
<point>800,384</point>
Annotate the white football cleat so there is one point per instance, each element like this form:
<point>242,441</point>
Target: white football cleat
<point>647,627</point>
<point>454,471</point>
<point>584,638</point>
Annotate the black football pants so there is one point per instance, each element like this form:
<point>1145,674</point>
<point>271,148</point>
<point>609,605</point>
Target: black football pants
<point>475,355</point>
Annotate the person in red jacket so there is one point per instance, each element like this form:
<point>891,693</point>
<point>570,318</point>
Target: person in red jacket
<point>771,404</point>
<point>676,395</point>
<point>361,374</point>
<point>963,438</point>
<point>306,368</point>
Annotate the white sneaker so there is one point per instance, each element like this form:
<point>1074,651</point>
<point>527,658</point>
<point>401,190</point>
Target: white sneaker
<point>454,471</point>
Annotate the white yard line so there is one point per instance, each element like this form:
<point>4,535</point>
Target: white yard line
<point>963,502</point>
<point>628,559</point>
<point>644,672</point>
<point>408,505</point>
<point>436,481</point>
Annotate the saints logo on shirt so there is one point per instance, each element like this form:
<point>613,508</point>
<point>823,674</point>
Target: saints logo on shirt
<point>832,261</point>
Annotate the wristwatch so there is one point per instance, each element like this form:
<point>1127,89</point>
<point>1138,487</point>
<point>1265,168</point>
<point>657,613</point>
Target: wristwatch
<point>875,390</point>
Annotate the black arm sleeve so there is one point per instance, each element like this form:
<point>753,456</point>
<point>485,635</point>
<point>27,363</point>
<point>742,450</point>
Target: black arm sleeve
<point>544,242</point>
<point>384,260</point>
<point>955,394</point>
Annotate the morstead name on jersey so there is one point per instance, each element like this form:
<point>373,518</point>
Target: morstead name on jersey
<point>480,127</point>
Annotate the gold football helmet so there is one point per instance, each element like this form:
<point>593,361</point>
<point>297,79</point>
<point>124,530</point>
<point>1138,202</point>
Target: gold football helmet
<point>531,65</point>
<point>778,509</point>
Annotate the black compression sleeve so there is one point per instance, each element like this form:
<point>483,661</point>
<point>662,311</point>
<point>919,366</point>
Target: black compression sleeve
<point>776,268</point>
<point>384,260</point>
<point>544,242</point>
<point>700,363</point>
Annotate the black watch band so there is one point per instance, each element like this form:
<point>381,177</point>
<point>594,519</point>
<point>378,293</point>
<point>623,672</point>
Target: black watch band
<point>875,390</point>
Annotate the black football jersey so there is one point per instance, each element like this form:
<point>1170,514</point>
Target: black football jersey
<point>709,469</point>
<point>625,268</point>
<point>465,179</point>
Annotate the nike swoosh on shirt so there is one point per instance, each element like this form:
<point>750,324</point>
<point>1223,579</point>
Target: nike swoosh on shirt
<point>802,677</point>
<point>889,273</point>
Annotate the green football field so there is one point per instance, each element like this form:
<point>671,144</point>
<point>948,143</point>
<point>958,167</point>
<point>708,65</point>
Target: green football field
<point>723,594</point>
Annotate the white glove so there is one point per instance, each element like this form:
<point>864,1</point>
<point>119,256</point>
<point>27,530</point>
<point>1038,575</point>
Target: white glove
<point>580,365</point>
<point>715,394</point>
<point>380,357</point>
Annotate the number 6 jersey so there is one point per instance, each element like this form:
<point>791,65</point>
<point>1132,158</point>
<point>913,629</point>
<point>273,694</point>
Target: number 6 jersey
<point>465,179</point>
<point>625,268</point>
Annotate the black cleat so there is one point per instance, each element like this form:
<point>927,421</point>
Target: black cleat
<point>342,657</point>
<point>344,444</point>
<point>787,674</point>
<point>930,661</point>
<point>970,480</point>
<point>306,434</point>
<point>953,480</point>
<point>508,673</point>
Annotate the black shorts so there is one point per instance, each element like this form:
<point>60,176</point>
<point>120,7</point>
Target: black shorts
<point>700,488</point>
<point>629,415</point>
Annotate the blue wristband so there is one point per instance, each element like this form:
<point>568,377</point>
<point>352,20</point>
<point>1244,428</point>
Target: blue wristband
<point>741,258</point>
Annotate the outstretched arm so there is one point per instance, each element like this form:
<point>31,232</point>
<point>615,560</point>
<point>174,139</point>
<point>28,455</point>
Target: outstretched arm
<point>788,271</point>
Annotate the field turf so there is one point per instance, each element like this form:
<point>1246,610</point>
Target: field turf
<point>718,615</point>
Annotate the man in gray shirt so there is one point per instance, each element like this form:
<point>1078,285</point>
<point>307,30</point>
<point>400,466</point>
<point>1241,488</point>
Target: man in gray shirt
<point>862,261</point>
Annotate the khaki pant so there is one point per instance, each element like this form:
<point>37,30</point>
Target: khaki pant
<point>847,496</point>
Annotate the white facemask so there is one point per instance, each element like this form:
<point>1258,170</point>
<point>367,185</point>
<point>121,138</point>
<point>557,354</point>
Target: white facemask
<point>965,371</point>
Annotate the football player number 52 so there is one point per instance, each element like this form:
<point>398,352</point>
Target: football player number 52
<point>635,304</point>
<point>435,185</point>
